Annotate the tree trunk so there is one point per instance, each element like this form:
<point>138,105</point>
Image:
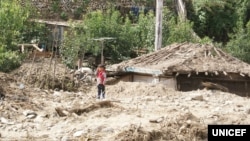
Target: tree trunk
<point>158,26</point>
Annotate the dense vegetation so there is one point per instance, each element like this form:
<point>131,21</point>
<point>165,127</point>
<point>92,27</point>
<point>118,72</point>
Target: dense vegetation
<point>222,22</point>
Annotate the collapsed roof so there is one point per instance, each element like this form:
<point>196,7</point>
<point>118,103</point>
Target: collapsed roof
<point>185,58</point>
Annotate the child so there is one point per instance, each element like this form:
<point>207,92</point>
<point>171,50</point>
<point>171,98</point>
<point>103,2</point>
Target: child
<point>101,78</point>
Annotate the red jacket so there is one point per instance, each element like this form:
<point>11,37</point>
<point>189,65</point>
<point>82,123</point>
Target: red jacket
<point>101,77</point>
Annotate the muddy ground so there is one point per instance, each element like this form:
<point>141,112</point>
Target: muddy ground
<point>43,101</point>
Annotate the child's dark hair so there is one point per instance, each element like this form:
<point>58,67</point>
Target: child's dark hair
<point>101,66</point>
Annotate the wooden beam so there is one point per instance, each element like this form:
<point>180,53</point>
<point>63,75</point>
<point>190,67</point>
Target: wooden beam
<point>216,72</point>
<point>177,74</point>
<point>225,73</point>
<point>26,45</point>
<point>243,75</point>
<point>214,86</point>
<point>30,45</point>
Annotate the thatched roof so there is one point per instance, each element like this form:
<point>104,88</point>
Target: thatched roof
<point>186,58</point>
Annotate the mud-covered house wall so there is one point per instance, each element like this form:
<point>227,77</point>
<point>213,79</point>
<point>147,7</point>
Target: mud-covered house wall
<point>235,83</point>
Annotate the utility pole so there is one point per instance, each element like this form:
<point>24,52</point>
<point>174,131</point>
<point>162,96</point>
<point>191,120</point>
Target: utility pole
<point>158,24</point>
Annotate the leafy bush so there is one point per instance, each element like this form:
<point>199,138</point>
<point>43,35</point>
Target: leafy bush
<point>64,16</point>
<point>181,32</point>
<point>9,60</point>
<point>78,12</point>
<point>56,6</point>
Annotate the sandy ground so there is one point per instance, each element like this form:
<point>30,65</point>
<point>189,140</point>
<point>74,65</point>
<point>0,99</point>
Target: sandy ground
<point>131,111</point>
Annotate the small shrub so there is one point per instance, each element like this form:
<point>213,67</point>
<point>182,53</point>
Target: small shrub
<point>55,6</point>
<point>9,60</point>
<point>77,13</point>
<point>64,16</point>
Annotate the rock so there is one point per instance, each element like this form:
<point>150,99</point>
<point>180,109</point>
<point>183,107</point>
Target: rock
<point>239,105</point>
<point>149,99</point>
<point>39,119</point>
<point>5,121</point>
<point>78,133</point>
<point>99,128</point>
<point>65,138</point>
<point>158,120</point>
<point>217,109</point>
<point>56,93</point>
<point>21,86</point>
<point>199,98</point>
<point>228,102</point>
<point>20,98</point>
<point>248,111</point>
<point>188,121</point>
<point>182,129</point>
<point>187,99</point>
<point>2,96</point>
<point>27,112</point>
<point>108,130</point>
<point>30,114</point>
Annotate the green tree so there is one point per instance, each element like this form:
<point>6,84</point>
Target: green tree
<point>13,17</point>
<point>239,45</point>
<point>213,18</point>
<point>128,37</point>
<point>144,31</point>
<point>13,24</point>
<point>96,25</point>
<point>175,30</point>
<point>75,45</point>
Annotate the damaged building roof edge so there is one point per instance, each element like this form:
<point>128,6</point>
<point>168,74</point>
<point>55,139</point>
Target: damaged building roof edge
<point>143,70</point>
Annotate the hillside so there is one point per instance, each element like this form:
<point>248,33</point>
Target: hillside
<point>75,9</point>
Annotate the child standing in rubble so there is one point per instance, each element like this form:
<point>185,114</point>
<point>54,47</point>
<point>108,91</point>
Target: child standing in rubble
<point>101,79</point>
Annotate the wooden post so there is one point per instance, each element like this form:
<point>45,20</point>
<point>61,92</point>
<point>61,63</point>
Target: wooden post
<point>158,24</point>
<point>22,48</point>
<point>102,57</point>
<point>79,62</point>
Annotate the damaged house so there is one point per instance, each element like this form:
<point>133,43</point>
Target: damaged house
<point>187,67</point>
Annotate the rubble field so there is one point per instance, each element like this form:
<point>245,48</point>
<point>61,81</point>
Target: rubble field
<point>34,108</point>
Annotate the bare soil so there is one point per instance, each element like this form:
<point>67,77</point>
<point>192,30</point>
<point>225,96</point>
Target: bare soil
<point>131,111</point>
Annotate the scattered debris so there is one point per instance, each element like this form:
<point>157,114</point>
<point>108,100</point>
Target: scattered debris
<point>2,96</point>
<point>79,111</point>
<point>6,121</point>
<point>158,120</point>
<point>61,112</point>
<point>199,98</point>
<point>78,133</point>
<point>214,86</point>
<point>30,114</point>
<point>40,113</point>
